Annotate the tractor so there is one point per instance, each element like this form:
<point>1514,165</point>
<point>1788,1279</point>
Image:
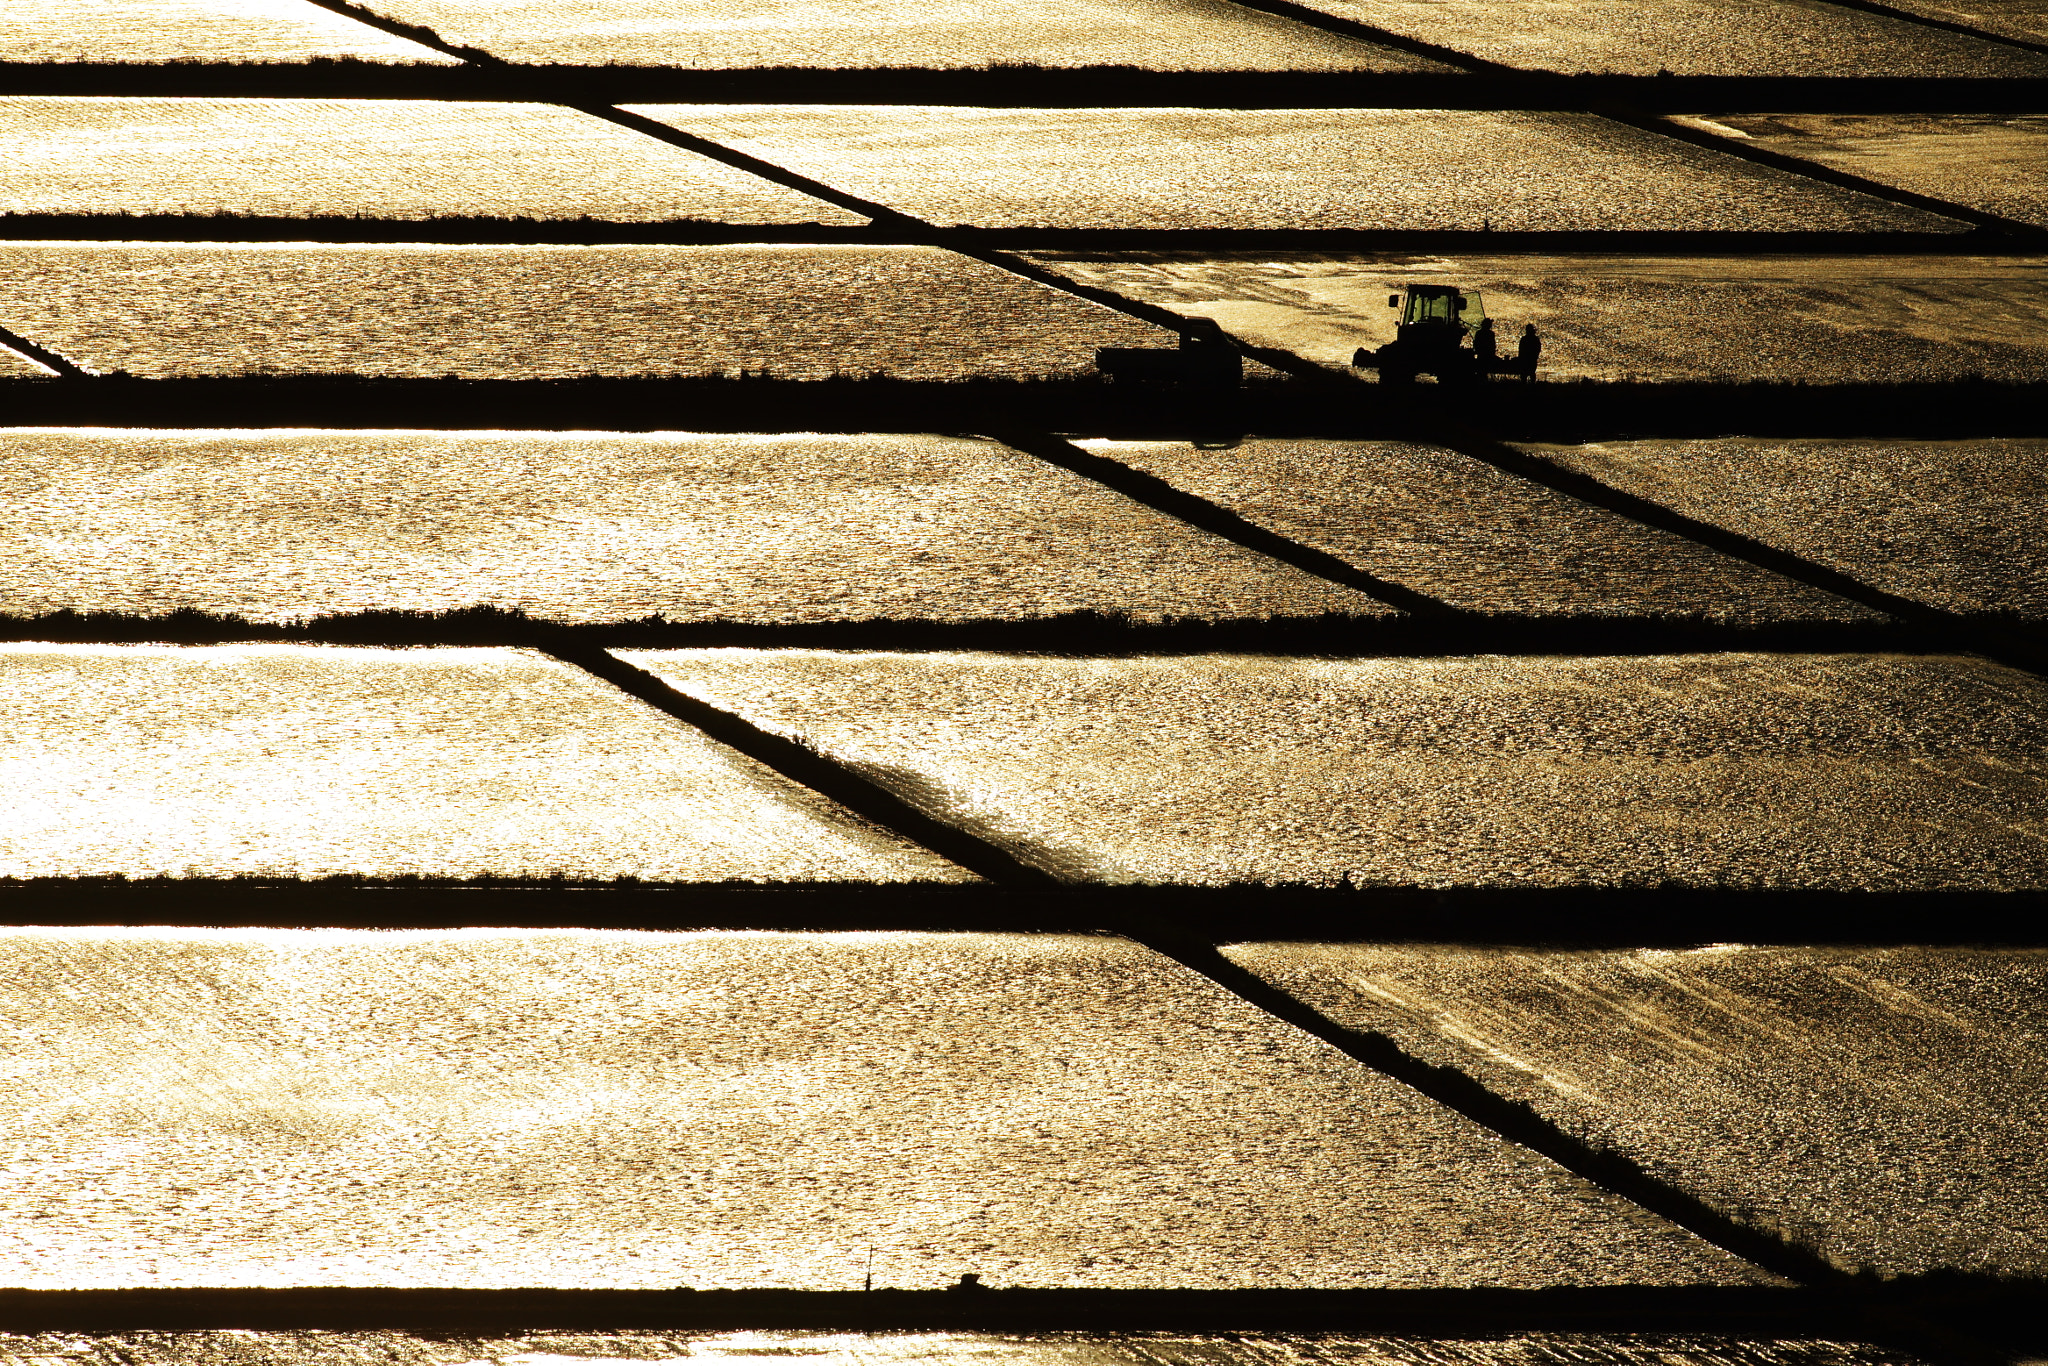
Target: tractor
<point>1430,338</point>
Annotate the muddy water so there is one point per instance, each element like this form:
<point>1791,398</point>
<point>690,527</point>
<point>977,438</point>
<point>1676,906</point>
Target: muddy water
<point>929,1349</point>
<point>1990,162</point>
<point>547,312</point>
<point>1809,771</point>
<point>381,158</point>
<point>496,1108</point>
<point>1690,37</point>
<point>1280,168</point>
<point>1825,320</point>
<point>14,365</point>
<point>304,762</point>
<point>585,528</point>
<point>1167,35</point>
<point>1436,522</point>
<point>1960,525</point>
<point>193,30</point>
<point>1882,1106</point>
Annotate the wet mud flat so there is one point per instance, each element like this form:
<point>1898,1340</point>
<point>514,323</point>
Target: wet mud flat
<point>1790,1087</point>
<point>1990,162</point>
<point>1820,772</point>
<point>547,312</point>
<point>1059,1111</point>
<point>587,529</point>
<point>381,158</point>
<point>1168,35</point>
<point>1816,320</point>
<point>1280,168</point>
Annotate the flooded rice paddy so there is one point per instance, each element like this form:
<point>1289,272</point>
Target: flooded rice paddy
<point>586,527</point>
<point>1690,38</point>
<point>546,312</point>
<point>193,30</point>
<point>381,158</point>
<point>1823,320</point>
<point>281,1107</point>
<point>1475,539</point>
<point>1959,525</point>
<point>1882,1106</point>
<point>1281,168</point>
<point>2026,20</point>
<point>1165,35</point>
<point>300,762</point>
<point>1991,162</point>
<point>14,365</point>
<point>1727,771</point>
<point>801,1348</point>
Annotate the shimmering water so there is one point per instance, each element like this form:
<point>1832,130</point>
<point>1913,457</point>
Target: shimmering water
<point>1812,771</point>
<point>493,1108</point>
<point>1280,168</point>
<point>1691,37</point>
<point>304,762</point>
<point>382,158</point>
<point>2026,20</point>
<point>547,312</point>
<point>581,527</point>
<point>1476,539</point>
<point>1170,35</point>
<point>1992,162</point>
<point>929,1349</point>
<point>1961,525</point>
<point>14,365</point>
<point>1825,320</point>
<point>1883,1106</point>
<point>193,30</point>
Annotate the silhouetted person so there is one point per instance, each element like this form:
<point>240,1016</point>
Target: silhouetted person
<point>1483,346</point>
<point>1528,351</point>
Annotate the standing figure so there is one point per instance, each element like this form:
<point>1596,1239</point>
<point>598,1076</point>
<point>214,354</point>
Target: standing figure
<point>1528,351</point>
<point>1484,349</point>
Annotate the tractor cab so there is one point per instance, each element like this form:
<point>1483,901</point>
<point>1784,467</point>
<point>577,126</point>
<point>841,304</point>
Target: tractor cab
<point>1430,336</point>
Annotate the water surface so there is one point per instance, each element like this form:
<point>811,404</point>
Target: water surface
<point>1165,35</point>
<point>547,312</point>
<point>193,30</point>
<point>1691,37</point>
<point>1959,525</point>
<point>584,527</point>
<point>1823,320</point>
<point>560,1108</point>
<point>306,762</point>
<point>1476,539</point>
<point>2026,20</point>
<point>1991,162</point>
<point>1881,1106</point>
<point>1281,168</point>
<point>1851,772</point>
<point>379,158</point>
